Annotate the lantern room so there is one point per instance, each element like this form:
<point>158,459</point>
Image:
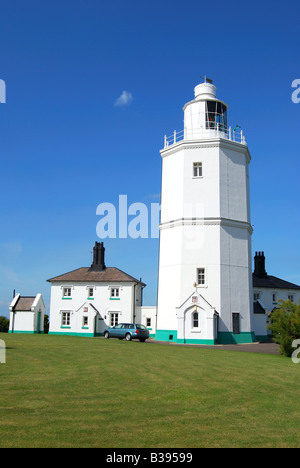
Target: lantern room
<point>205,113</point>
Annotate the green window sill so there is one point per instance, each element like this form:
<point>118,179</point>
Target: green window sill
<point>114,298</point>
<point>66,298</point>
<point>64,326</point>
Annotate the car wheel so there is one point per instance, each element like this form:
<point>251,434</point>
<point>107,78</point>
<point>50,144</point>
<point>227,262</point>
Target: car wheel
<point>106,335</point>
<point>128,337</point>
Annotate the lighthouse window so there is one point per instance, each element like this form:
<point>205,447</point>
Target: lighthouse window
<point>201,276</point>
<point>197,169</point>
<point>216,115</point>
<point>211,114</point>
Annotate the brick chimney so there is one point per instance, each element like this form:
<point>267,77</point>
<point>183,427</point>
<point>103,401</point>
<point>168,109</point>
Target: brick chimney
<point>98,257</point>
<point>260,265</point>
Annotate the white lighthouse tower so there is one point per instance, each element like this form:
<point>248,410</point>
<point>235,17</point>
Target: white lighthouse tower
<point>205,277</point>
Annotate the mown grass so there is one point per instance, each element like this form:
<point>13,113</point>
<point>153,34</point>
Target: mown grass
<point>59,391</point>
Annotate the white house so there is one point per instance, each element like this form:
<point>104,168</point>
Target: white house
<point>267,291</point>
<point>86,301</point>
<point>27,314</point>
<point>205,283</point>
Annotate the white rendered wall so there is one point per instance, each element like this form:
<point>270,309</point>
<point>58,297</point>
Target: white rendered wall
<point>205,222</point>
<point>147,312</point>
<point>23,321</point>
<point>268,303</point>
<point>266,296</point>
<point>236,278</point>
<point>260,324</point>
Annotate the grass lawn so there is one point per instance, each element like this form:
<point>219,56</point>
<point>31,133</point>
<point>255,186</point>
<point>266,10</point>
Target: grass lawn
<point>59,391</point>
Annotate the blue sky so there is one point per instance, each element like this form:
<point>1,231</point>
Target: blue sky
<point>66,146</point>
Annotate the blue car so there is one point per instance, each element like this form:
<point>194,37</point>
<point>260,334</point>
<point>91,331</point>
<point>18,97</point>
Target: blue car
<point>129,331</point>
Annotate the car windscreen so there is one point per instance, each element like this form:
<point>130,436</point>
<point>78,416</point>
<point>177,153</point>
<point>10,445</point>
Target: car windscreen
<point>140,327</point>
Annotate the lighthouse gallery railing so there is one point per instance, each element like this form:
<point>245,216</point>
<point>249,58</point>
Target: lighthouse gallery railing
<point>217,132</point>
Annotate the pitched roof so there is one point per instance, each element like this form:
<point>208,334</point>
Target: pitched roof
<point>272,282</point>
<point>86,275</point>
<point>24,303</point>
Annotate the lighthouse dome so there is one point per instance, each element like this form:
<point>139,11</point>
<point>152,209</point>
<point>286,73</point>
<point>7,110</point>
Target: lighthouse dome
<point>205,91</point>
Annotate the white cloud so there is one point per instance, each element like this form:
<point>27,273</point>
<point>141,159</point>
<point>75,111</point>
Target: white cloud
<point>124,100</point>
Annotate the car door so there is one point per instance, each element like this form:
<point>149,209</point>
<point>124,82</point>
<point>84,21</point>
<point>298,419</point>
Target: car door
<point>115,332</point>
<point>123,330</point>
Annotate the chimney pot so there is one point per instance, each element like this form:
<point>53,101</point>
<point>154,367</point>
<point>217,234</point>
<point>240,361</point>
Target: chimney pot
<point>260,265</point>
<point>98,257</point>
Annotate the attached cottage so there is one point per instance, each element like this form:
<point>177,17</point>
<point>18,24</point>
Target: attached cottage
<point>267,291</point>
<point>88,300</point>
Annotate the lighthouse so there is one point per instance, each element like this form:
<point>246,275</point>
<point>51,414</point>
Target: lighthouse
<point>205,277</point>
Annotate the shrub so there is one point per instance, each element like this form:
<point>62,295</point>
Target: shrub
<point>285,326</point>
<point>4,324</point>
<point>46,323</point>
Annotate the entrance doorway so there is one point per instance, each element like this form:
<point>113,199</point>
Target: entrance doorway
<point>236,323</point>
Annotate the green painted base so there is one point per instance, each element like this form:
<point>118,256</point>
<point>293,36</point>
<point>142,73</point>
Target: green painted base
<point>27,332</point>
<point>223,338</point>
<point>201,342</point>
<point>231,338</point>
<point>166,335</point>
<point>171,336</point>
<point>262,337</point>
